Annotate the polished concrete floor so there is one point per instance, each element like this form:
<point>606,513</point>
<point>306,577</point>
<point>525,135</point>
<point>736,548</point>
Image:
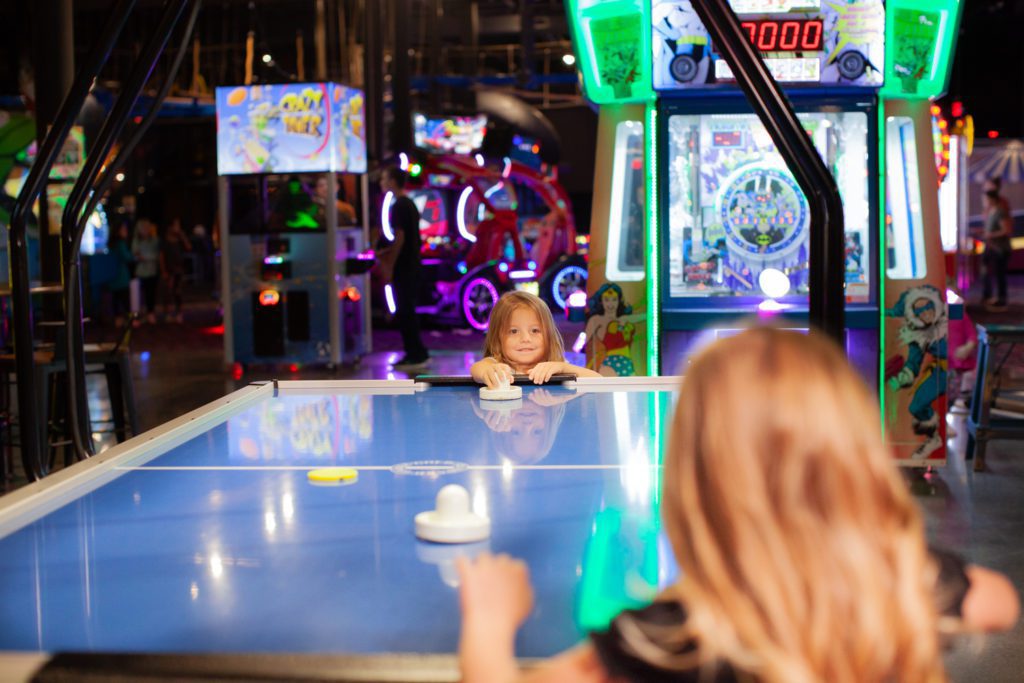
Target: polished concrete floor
<point>180,367</point>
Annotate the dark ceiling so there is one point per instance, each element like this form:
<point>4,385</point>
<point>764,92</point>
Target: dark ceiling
<point>988,73</point>
<point>439,34</point>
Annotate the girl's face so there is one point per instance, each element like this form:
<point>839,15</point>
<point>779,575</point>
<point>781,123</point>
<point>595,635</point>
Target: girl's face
<point>610,302</point>
<point>523,343</point>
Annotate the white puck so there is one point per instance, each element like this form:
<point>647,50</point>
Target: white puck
<point>453,521</point>
<point>501,406</point>
<point>504,393</point>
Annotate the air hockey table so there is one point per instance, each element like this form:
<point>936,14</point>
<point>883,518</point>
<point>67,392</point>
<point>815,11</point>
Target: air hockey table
<point>205,537</point>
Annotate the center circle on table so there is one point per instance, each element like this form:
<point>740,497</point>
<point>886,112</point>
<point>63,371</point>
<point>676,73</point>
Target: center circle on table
<point>429,468</point>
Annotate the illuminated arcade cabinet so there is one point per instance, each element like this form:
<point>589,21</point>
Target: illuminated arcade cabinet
<point>18,151</point>
<point>487,225</point>
<point>294,285</point>
<point>698,223</point>
<point>953,141</point>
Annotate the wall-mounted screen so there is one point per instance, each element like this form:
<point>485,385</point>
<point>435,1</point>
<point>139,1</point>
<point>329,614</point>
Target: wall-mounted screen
<point>283,203</point>
<point>451,135</point>
<point>290,128</point>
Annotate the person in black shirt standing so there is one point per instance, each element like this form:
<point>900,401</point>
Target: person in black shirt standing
<point>400,265</point>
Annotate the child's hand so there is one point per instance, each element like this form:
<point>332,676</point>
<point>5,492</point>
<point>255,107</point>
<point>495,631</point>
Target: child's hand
<point>494,592</point>
<point>545,398</point>
<point>498,420</point>
<point>496,373</point>
<point>542,372</point>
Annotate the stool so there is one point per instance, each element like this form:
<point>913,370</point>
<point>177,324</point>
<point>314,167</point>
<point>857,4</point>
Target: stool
<point>982,426</point>
<point>116,363</point>
<point>46,366</point>
<point>6,462</point>
<point>113,359</point>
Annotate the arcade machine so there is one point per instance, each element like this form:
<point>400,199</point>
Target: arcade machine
<point>17,154</point>
<point>292,271</point>
<point>486,228</point>
<point>685,168</point>
<point>953,144</point>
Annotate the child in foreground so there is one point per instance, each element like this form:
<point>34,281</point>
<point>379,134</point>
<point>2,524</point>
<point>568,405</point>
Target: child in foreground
<point>522,340</point>
<point>802,555</point>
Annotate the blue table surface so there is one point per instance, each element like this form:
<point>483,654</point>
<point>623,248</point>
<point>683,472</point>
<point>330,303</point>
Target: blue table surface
<point>221,544</point>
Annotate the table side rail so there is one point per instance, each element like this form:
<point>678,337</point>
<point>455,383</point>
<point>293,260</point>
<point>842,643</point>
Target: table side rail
<point>339,668</point>
<point>396,387</point>
<point>588,385</point>
<point>29,503</point>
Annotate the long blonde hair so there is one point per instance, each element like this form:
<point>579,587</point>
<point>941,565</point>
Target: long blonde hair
<point>499,323</point>
<point>801,552</point>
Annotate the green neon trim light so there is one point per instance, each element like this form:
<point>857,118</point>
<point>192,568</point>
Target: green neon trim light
<point>612,42</point>
<point>882,260</point>
<point>623,562</point>
<point>920,38</point>
<point>619,569</point>
<point>653,239</point>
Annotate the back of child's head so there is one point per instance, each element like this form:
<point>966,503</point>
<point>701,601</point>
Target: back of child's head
<point>501,315</point>
<point>801,551</point>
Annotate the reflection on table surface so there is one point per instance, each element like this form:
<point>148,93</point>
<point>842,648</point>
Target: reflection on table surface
<point>222,544</point>
<point>36,288</point>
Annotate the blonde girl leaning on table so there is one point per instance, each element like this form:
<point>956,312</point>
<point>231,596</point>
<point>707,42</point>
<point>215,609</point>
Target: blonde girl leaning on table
<point>802,555</point>
<point>522,340</point>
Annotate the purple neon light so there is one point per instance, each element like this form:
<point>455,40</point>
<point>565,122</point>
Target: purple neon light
<point>580,342</point>
<point>468,305</point>
<point>389,295</point>
<point>385,217</point>
<point>771,307</point>
<point>577,299</point>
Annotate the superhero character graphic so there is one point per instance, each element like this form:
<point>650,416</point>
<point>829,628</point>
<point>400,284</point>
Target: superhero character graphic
<point>681,44</point>
<point>611,326</point>
<point>923,369</point>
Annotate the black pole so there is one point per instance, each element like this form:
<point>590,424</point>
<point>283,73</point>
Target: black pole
<point>471,61</point>
<point>528,40</point>
<point>53,52</point>
<point>773,108</point>
<point>81,438</point>
<point>401,95</point>
<point>435,16</point>
<point>373,79</point>
<point>28,415</point>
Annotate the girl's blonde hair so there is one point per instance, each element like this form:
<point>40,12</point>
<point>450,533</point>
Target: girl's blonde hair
<point>801,552</point>
<point>502,313</point>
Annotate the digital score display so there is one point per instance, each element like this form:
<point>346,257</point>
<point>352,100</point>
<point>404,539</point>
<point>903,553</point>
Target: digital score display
<point>727,138</point>
<point>785,35</point>
<point>803,43</point>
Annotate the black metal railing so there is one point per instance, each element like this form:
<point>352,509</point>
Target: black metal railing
<point>87,192</point>
<point>84,191</point>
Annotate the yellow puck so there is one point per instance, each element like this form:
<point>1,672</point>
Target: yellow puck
<point>333,474</point>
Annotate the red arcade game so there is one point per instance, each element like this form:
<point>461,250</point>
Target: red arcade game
<point>487,226</point>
